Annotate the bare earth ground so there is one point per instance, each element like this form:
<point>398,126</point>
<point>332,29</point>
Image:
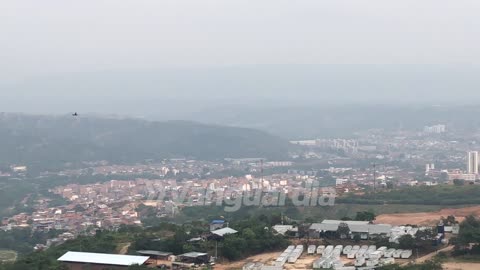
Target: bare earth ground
<point>263,258</point>
<point>428,256</point>
<point>304,262</point>
<point>421,218</point>
<point>123,248</point>
<point>461,266</point>
<point>427,218</point>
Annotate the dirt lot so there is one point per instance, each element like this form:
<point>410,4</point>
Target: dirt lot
<point>304,262</point>
<point>461,266</point>
<point>427,218</point>
<point>263,258</point>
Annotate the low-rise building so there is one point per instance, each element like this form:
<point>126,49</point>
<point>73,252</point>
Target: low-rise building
<point>100,261</point>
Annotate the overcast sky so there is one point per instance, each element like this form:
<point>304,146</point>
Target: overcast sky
<point>46,40</point>
<point>44,37</point>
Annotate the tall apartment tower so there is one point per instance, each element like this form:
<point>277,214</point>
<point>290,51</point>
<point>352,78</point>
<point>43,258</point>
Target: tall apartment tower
<point>472,165</point>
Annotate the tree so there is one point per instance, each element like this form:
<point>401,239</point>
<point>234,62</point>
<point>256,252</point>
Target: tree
<point>450,220</point>
<point>458,182</point>
<point>406,242</point>
<point>443,177</point>
<point>469,234</point>
<point>357,238</point>
<point>78,208</point>
<point>248,234</point>
<point>365,216</point>
<point>138,267</point>
<point>425,235</point>
<point>343,230</point>
<point>390,185</point>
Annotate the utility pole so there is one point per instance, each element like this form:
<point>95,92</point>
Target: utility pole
<point>261,174</point>
<point>216,249</point>
<point>374,181</point>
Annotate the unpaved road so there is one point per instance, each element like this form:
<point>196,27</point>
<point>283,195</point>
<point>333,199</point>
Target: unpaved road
<point>124,248</point>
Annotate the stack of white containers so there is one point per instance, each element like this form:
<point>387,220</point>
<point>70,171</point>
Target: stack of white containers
<point>347,249</point>
<point>282,259</point>
<point>353,252</point>
<point>327,251</point>
<point>297,252</point>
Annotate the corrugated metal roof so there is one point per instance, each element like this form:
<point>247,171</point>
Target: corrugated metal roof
<point>101,258</point>
<point>193,254</point>
<point>354,226</point>
<point>349,222</point>
<point>217,221</point>
<point>154,253</point>
<point>224,231</point>
<point>282,229</point>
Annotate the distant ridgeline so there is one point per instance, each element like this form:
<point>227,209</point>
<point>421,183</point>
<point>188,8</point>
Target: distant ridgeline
<point>49,140</point>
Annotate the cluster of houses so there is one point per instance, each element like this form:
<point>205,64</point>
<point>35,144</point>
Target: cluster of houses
<point>153,258</point>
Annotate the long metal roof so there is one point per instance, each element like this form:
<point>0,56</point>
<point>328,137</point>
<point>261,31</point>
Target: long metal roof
<point>101,258</point>
<point>354,226</point>
<point>154,253</point>
<point>224,231</point>
<point>193,254</point>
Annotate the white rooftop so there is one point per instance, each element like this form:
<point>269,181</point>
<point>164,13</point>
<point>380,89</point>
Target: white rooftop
<point>224,231</point>
<point>354,226</point>
<point>349,222</point>
<point>101,258</point>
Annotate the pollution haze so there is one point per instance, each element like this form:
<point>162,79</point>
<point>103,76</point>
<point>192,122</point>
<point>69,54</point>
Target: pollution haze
<point>174,59</point>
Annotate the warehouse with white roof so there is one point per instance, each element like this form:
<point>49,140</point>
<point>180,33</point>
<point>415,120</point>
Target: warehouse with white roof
<point>363,228</point>
<point>100,261</point>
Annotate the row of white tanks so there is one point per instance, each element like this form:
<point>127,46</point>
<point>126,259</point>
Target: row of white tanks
<point>330,258</point>
<point>363,255</point>
<point>290,255</point>
<point>353,252</point>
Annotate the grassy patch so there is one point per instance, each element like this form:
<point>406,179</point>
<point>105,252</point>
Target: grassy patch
<point>466,259</point>
<point>446,195</point>
<point>8,256</point>
<point>318,213</point>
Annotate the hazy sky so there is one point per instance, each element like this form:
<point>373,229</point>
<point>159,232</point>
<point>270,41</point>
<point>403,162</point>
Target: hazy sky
<point>139,56</point>
<point>39,38</point>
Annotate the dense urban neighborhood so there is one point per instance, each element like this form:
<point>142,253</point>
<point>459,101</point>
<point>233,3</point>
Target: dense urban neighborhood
<point>332,203</point>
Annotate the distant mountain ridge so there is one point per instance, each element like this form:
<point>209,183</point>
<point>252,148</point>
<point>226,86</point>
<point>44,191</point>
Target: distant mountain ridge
<point>31,139</point>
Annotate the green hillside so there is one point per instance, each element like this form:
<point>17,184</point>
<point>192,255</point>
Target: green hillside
<point>56,140</point>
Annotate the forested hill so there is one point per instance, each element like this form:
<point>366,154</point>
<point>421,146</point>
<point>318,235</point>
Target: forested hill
<point>26,139</point>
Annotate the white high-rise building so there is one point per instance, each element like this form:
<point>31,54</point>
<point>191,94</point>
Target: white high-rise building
<point>435,129</point>
<point>472,162</point>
